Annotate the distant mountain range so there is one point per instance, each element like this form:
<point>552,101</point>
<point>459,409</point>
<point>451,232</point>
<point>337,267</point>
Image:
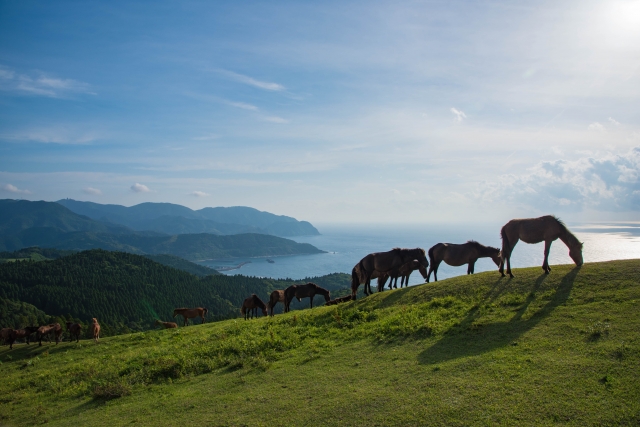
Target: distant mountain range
<point>172,219</point>
<point>51,225</point>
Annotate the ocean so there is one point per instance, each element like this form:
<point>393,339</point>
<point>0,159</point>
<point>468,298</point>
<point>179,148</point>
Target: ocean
<point>346,245</point>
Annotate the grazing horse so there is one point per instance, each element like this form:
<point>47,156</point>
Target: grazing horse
<point>385,262</point>
<point>95,329</point>
<point>535,230</point>
<point>190,313</point>
<point>274,298</point>
<point>252,304</point>
<point>47,330</point>
<point>167,325</point>
<point>74,330</point>
<point>404,272</point>
<point>24,333</point>
<point>339,300</point>
<point>308,290</point>
<point>457,255</point>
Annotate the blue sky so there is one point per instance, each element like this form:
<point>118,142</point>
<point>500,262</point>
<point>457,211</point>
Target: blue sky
<point>326,111</point>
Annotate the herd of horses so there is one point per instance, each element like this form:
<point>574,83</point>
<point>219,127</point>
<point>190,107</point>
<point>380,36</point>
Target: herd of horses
<point>383,266</point>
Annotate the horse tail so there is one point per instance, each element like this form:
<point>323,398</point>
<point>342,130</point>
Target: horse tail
<point>355,282</point>
<point>431,256</point>
<point>243,310</point>
<point>505,240</point>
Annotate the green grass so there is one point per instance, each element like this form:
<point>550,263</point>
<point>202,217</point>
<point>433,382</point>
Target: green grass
<point>473,350</point>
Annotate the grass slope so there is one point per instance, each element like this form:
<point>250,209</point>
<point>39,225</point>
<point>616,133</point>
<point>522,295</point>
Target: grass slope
<point>473,350</point>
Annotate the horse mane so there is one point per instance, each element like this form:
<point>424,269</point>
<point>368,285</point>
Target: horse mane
<point>570,236</point>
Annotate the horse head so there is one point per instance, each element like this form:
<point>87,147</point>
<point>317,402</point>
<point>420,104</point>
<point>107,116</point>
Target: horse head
<point>327,297</point>
<point>423,272</point>
<point>497,256</point>
<point>575,253</point>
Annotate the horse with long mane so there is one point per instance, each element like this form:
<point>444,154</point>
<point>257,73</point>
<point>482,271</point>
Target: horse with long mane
<point>384,262</point>
<point>275,297</point>
<point>308,290</point>
<point>166,325</point>
<point>74,329</point>
<point>535,230</point>
<point>457,255</point>
<point>190,313</point>
<point>250,306</point>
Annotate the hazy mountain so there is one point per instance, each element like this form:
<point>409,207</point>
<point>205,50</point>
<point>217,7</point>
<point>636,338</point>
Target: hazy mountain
<point>176,219</point>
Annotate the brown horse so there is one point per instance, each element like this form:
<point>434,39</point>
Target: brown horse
<point>535,230</point>
<point>24,333</point>
<point>457,255</point>
<point>275,298</point>
<point>252,304</point>
<point>385,262</point>
<point>339,300</point>
<point>358,278</point>
<point>74,330</point>
<point>47,330</point>
<point>94,328</point>
<point>167,325</point>
<point>4,335</point>
<point>404,272</point>
<point>308,290</point>
<point>190,313</point>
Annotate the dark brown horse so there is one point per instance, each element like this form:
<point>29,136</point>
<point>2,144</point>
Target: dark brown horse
<point>384,262</point>
<point>457,255</point>
<point>24,333</point>
<point>308,290</point>
<point>252,304</point>
<point>4,335</point>
<point>74,329</point>
<point>339,300</point>
<point>358,278</point>
<point>47,330</point>
<point>275,298</point>
<point>535,230</point>
<point>190,313</point>
<point>404,273</point>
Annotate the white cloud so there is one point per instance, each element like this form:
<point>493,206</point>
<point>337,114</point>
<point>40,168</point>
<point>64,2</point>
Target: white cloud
<point>41,84</point>
<point>614,121</point>
<point>140,188</point>
<point>460,115</point>
<point>56,135</point>
<point>13,189</point>
<point>92,191</point>
<point>243,105</point>
<point>597,127</point>
<point>199,194</point>
<point>209,137</point>
<point>274,119</point>
<point>253,82</point>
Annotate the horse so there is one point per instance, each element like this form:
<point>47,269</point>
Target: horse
<point>167,325</point>
<point>74,329</point>
<point>358,278</point>
<point>24,333</point>
<point>47,330</point>
<point>95,329</point>
<point>535,230</point>
<point>252,304</point>
<point>385,262</point>
<point>339,300</point>
<point>457,255</point>
<point>274,298</point>
<point>4,335</point>
<point>308,290</point>
<point>404,272</point>
<point>190,313</point>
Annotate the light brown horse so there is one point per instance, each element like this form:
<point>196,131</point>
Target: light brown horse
<point>308,290</point>
<point>47,330</point>
<point>74,330</point>
<point>385,262</point>
<point>535,230</point>
<point>252,304</point>
<point>94,328</point>
<point>275,297</point>
<point>24,333</point>
<point>457,255</point>
<point>167,325</point>
<point>190,313</point>
<point>404,272</point>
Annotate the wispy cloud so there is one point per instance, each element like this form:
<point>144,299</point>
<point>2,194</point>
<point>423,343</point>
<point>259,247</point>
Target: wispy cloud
<point>209,137</point>
<point>459,114</point>
<point>596,127</point>
<point>41,84</point>
<point>199,194</point>
<point>13,189</point>
<point>252,82</point>
<point>613,121</point>
<point>54,135</point>
<point>92,191</point>
<point>243,105</point>
<point>140,188</point>
<point>274,119</point>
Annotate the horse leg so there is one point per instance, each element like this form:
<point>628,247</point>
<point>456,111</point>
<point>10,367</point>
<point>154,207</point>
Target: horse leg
<point>435,270</point>
<point>547,249</point>
<point>311,301</point>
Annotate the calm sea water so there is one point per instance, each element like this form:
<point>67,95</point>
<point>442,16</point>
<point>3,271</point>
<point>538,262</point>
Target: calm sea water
<point>346,245</point>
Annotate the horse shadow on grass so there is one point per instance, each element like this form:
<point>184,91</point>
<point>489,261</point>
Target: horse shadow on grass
<point>470,339</point>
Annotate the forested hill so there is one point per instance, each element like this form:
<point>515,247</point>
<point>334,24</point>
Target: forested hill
<point>123,289</point>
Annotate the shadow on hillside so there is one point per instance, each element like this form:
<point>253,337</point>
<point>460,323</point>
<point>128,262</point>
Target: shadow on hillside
<point>22,351</point>
<point>468,339</point>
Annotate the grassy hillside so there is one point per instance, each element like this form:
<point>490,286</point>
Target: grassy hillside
<point>473,350</point>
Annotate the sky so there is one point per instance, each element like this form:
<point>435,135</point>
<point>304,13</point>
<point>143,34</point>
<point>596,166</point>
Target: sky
<point>331,112</point>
